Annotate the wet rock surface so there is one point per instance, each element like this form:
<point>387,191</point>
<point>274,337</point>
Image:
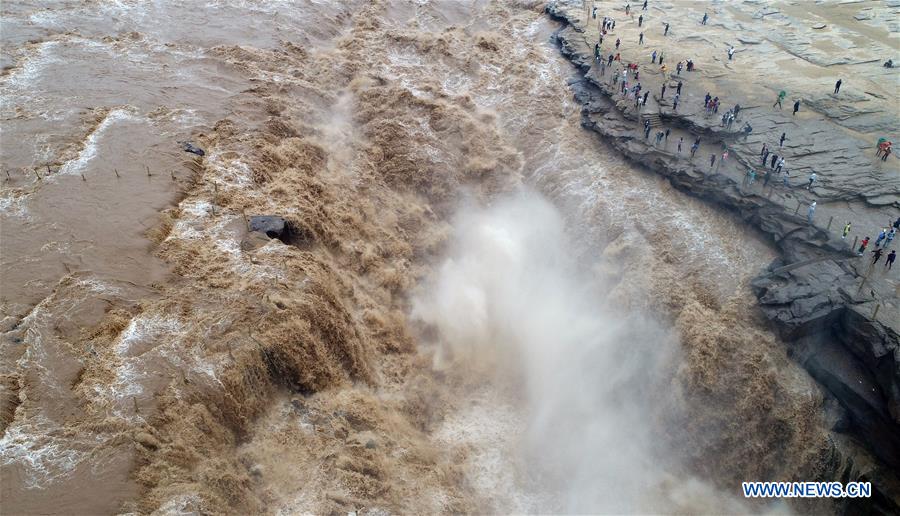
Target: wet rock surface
<point>838,312</point>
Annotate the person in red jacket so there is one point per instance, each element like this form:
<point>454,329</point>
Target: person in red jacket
<point>862,246</point>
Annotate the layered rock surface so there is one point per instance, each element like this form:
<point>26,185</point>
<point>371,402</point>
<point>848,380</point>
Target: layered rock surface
<point>838,312</point>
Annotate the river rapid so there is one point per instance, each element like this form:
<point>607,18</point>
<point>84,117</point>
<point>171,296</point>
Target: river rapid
<point>479,306</point>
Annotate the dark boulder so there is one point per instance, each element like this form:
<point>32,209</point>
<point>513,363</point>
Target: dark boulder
<point>272,226</point>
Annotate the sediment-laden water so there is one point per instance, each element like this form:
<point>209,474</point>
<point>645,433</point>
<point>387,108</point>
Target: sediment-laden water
<point>479,307</point>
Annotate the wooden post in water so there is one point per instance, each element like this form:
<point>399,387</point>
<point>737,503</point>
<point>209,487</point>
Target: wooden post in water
<point>148,171</point>
<point>117,173</point>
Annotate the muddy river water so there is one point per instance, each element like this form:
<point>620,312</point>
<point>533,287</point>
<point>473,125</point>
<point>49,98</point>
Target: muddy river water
<point>483,307</point>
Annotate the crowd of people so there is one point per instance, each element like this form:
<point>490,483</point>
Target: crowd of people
<point>771,161</point>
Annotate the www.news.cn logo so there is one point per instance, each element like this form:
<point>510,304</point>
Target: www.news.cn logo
<point>807,489</point>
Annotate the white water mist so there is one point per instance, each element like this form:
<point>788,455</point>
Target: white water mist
<point>510,298</point>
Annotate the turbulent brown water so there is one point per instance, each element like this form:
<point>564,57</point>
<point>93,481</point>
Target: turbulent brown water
<point>479,308</point>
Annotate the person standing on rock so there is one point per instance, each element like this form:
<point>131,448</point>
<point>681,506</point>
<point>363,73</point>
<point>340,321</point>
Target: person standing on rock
<point>680,143</point>
<point>880,237</point>
<point>763,151</point>
<point>812,179</point>
<point>730,53</point>
<point>675,102</point>
<point>887,152</point>
<point>877,254</point>
<point>640,20</point>
<point>774,160</point>
<point>781,95</point>
<point>846,230</point>
<point>618,42</point>
<point>646,94</point>
<point>653,57</point>
<point>705,19</point>
<point>694,148</point>
<point>627,9</point>
<point>779,166</point>
<point>796,107</point>
<point>678,88</point>
<point>666,32</point>
<point>890,237</point>
<point>837,86</point>
<point>641,39</point>
<point>645,6</point>
<point>889,261</point>
<point>781,141</point>
<point>765,156</point>
<point>610,60</point>
<point>678,68</point>
<point>662,93</point>
<point>810,212</point>
<point>706,100</point>
<point>767,177</point>
<point>862,246</point>
<point>667,135</point>
<point>712,160</point>
<point>661,56</point>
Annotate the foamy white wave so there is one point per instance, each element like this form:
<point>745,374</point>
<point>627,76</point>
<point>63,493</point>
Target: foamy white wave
<point>142,327</point>
<point>31,446</point>
<point>13,205</point>
<point>30,68</point>
<point>89,151</point>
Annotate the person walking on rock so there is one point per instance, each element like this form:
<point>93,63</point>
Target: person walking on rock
<point>889,261</point>
<point>837,86</point>
<point>877,254</point>
<point>889,238</point>
<point>694,148</point>
<point>610,60</point>
<point>662,93</point>
<point>712,160</point>
<point>666,32</point>
<point>661,56</point>
<point>779,166</point>
<point>796,107</point>
<point>680,142</point>
<point>763,151</point>
<point>675,102</point>
<point>678,68</point>
<point>810,212</point>
<point>705,19</point>
<point>678,88</point>
<point>640,20</point>
<point>765,156</point>
<point>730,53</point>
<point>618,42</point>
<point>653,57</point>
<point>812,179</point>
<point>887,152</point>
<point>641,39</point>
<point>774,160</point>
<point>646,94</point>
<point>846,230</point>
<point>781,94</point>
<point>781,141</point>
<point>645,6</point>
<point>862,246</point>
<point>667,135</point>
